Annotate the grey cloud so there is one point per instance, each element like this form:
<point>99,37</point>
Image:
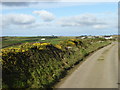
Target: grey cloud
<point>18,4</point>
<point>29,0</point>
<point>15,3</point>
<point>23,2</point>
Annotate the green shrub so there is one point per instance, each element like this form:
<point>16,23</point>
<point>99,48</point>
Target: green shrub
<point>41,65</point>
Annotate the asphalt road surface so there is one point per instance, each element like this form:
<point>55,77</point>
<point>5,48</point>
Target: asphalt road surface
<point>100,70</point>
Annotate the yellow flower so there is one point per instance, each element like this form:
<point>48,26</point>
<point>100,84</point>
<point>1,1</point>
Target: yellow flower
<point>40,48</point>
<point>44,44</point>
<point>58,46</point>
<point>0,54</point>
<point>26,49</point>
<point>72,39</point>
<point>23,50</point>
<point>72,43</point>
<point>36,44</point>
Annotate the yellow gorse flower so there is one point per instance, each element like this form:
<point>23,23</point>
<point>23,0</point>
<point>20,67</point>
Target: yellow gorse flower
<point>36,44</point>
<point>58,46</point>
<point>73,39</point>
<point>40,48</point>
<point>44,44</point>
<point>22,48</point>
<point>70,43</point>
<point>41,44</point>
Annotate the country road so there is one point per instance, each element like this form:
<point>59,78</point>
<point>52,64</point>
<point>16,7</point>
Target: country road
<point>100,70</point>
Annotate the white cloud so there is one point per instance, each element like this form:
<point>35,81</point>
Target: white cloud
<point>82,20</point>
<point>45,15</point>
<point>100,26</point>
<point>0,22</point>
<point>17,19</point>
<point>21,21</point>
<point>37,25</point>
<point>26,21</point>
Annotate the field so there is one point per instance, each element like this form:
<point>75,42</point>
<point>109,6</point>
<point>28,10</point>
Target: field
<point>15,41</point>
<point>29,62</point>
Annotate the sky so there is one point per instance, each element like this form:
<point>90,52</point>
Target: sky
<point>58,18</point>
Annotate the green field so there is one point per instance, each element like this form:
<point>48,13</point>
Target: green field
<point>15,41</point>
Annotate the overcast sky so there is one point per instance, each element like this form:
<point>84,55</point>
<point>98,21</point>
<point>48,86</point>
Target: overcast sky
<point>58,18</point>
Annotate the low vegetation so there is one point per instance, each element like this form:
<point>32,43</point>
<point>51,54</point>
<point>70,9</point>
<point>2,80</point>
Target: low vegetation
<point>16,41</point>
<point>41,65</point>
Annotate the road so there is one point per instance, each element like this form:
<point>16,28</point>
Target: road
<point>100,70</point>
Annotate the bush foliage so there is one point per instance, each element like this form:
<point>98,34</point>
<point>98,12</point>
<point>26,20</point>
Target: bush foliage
<point>41,65</point>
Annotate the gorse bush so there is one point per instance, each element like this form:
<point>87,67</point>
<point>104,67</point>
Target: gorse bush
<point>41,65</point>
<point>19,64</point>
